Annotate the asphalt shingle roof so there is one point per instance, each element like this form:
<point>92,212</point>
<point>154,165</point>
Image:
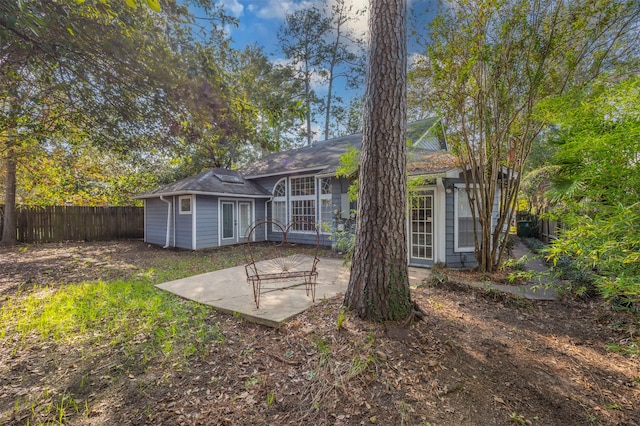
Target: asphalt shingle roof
<point>324,157</point>
<point>214,181</point>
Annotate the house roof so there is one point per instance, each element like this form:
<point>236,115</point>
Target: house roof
<point>315,157</point>
<point>324,157</point>
<point>427,155</point>
<point>216,181</point>
<point>425,162</point>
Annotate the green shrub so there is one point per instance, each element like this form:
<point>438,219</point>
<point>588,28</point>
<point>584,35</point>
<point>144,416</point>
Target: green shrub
<point>602,252</point>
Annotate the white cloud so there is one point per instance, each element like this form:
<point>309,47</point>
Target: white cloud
<point>278,9</point>
<point>234,7</point>
<point>358,26</point>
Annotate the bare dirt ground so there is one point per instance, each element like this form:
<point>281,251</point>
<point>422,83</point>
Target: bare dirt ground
<point>478,358</point>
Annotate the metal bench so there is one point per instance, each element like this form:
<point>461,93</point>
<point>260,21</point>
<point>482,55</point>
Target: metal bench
<point>283,261</point>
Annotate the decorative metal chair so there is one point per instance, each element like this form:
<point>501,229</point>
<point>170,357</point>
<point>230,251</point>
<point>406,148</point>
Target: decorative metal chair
<point>284,262</point>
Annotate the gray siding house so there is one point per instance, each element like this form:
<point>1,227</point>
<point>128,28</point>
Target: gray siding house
<point>211,209</point>
<point>216,207</point>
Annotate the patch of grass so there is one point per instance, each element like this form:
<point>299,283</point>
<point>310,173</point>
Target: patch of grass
<point>358,366</point>
<point>632,348</point>
<point>131,314</point>
<point>251,381</point>
<point>342,316</point>
<point>271,398</point>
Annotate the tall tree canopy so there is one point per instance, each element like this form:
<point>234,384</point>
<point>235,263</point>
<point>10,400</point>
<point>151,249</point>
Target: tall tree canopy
<point>489,63</point>
<point>300,39</point>
<point>379,284</point>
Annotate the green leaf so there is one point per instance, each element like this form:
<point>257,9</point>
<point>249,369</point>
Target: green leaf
<point>131,4</point>
<point>154,5</point>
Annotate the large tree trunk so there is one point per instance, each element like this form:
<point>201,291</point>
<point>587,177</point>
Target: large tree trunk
<point>379,287</point>
<point>9,218</point>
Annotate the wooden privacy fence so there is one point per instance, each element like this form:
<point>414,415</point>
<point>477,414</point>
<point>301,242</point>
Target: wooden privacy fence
<point>73,223</point>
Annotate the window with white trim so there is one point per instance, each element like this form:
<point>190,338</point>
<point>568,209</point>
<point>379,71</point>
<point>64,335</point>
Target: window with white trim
<point>326,204</point>
<point>464,223</point>
<point>303,203</point>
<point>279,203</point>
<point>184,203</point>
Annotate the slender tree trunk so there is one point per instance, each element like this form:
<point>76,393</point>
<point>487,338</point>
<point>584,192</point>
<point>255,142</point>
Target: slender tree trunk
<point>307,97</point>
<point>327,114</point>
<point>379,286</point>
<point>308,105</point>
<point>9,219</point>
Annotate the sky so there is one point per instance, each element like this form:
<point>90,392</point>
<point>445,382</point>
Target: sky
<point>260,20</point>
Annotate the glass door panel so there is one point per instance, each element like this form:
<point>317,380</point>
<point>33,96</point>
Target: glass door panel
<point>227,221</point>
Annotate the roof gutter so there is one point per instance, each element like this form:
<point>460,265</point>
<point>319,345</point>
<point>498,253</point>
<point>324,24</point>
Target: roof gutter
<point>287,172</point>
<point>168,220</point>
<point>215,194</point>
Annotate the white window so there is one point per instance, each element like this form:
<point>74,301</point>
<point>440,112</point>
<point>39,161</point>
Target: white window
<point>464,223</point>
<point>279,204</point>
<point>303,203</point>
<point>185,204</point>
<point>326,204</point>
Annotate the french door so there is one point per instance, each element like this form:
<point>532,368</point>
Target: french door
<point>235,218</point>
<point>421,227</point>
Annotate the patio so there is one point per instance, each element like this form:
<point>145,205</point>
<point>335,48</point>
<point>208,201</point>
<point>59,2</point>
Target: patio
<point>227,291</point>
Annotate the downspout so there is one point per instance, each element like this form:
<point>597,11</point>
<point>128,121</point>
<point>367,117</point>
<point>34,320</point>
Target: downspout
<point>266,217</point>
<point>168,220</point>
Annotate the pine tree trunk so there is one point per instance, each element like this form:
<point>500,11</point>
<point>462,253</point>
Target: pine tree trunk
<point>9,218</point>
<point>379,286</point>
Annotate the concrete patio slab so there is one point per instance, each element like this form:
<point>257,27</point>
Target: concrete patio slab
<point>228,291</point>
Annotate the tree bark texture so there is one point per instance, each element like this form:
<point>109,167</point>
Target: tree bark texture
<point>379,287</point>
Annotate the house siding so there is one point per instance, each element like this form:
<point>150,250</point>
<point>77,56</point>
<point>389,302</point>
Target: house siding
<point>155,211</point>
<point>206,221</point>
<point>457,259</point>
<point>454,258</point>
<point>183,227</point>
<point>260,214</point>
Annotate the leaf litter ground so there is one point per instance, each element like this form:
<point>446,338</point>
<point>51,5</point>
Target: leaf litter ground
<point>478,358</point>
